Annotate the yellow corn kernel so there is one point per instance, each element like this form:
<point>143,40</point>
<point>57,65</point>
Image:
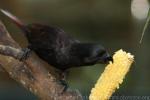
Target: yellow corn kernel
<point>112,76</point>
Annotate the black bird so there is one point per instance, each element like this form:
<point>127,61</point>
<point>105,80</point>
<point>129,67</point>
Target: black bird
<point>57,48</point>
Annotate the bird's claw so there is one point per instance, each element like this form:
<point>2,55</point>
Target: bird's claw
<point>26,54</point>
<point>65,84</point>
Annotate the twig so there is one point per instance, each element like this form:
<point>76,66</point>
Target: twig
<point>145,25</point>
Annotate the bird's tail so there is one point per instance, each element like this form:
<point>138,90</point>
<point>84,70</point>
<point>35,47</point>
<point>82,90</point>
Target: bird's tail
<point>18,22</point>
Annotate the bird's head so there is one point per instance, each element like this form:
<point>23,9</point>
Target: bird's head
<point>90,54</point>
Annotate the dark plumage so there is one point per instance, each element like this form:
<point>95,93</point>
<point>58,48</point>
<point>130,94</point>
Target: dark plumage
<point>57,48</point>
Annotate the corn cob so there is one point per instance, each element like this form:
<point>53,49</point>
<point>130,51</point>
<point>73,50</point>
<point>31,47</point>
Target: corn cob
<point>112,76</point>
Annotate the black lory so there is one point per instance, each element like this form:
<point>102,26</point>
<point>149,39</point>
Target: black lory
<point>57,48</point>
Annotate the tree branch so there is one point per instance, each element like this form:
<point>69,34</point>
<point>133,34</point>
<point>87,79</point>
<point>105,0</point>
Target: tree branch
<point>34,74</point>
<point>10,51</point>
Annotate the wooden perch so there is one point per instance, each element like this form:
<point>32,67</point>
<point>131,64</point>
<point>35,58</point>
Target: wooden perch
<point>32,73</point>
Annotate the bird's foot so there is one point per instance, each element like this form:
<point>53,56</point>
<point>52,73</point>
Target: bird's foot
<point>65,84</point>
<point>62,80</point>
<point>26,54</point>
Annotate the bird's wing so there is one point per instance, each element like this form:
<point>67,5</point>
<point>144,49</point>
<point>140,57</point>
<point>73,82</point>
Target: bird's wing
<point>65,38</point>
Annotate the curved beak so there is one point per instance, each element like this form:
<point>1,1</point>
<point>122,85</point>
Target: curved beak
<point>106,58</point>
<point>110,58</point>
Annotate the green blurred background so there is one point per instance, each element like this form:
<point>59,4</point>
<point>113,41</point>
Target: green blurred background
<point>109,22</point>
